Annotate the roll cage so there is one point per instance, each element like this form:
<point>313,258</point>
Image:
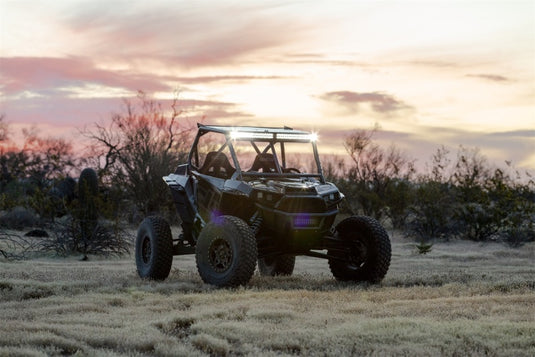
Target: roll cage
<point>263,140</point>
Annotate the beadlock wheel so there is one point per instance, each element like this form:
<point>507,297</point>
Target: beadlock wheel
<point>220,254</point>
<point>226,252</point>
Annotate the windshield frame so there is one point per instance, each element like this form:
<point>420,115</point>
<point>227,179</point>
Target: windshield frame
<point>270,148</point>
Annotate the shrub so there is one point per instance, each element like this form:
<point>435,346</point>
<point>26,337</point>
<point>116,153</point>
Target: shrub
<point>18,218</point>
<point>106,238</point>
<point>431,214</point>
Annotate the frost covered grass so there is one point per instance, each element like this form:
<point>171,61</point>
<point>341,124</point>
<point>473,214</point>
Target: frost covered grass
<point>460,299</point>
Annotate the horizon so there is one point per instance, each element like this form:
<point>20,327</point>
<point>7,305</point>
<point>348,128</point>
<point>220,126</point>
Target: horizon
<point>428,73</point>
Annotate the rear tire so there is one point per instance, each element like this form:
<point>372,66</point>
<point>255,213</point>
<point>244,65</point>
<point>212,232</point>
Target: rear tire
<point>226,252</point>
<point>154,248</point>
<point>367,251</point>
<point>277,265</point>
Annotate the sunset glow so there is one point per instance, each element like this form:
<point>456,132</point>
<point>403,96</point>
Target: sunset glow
<point>429,73</point>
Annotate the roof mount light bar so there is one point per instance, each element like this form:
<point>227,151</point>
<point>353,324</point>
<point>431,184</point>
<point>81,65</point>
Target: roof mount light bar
<point>244,135</point>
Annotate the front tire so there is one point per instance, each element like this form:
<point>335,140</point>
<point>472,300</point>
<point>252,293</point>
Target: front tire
<point>226,252</point>
<point>277,265</point>
<point>154,248</point>
<point>367,251</point>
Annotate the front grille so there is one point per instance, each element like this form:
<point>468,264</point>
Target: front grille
<point>302,205</point>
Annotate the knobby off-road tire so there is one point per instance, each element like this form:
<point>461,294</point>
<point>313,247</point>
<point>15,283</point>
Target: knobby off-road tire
<point>278,265</point>
<point>226,252</point>
<point>154,248</point>
<point>368,251</point>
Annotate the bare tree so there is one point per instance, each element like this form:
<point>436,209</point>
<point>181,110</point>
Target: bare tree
<point>378,179</point>
<point>138,147</point>
<point>3,128</point>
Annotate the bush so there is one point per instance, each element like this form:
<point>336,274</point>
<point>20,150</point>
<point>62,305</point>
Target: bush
<point>18,218</point>
<point>431,215</point>
<point>106,238</point>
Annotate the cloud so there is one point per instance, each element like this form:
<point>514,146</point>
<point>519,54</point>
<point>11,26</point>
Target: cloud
<point>433,63</point>
<point>422,143</point>
<point>501,146</point>
<point>185,34</point>
<point>47,76</point>
<point>41,74</point>
<point>526,133</point>
<point>378,101</point>
<point>79,112</point>
<point>490,77</point>
<point>231,78</point>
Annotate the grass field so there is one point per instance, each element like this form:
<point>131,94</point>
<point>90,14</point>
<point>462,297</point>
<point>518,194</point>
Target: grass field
<point>460,299</point>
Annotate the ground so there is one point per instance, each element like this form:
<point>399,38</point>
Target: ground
<point>460,299</point>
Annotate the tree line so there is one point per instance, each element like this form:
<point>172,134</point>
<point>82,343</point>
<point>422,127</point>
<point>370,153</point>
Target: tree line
<point>461,197</point>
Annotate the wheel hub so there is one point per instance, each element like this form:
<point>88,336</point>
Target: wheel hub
<point>146,250</point>
<point>220,255</point>
<point>358,254</point>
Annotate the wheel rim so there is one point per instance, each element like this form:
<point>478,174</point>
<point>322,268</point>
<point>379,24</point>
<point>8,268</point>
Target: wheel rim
<point>146,250</point>
<point>220,255</point>
<point>358,255</point>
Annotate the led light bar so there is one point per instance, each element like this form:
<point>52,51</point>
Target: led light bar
<point>282,136</point>
<point>244,135</point>
<point>306,137</point>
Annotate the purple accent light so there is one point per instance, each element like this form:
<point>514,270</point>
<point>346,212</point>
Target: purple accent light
<point>302,220</point>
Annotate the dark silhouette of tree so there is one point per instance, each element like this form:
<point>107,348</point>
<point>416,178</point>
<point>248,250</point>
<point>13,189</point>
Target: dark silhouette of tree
<point>138,147</point>
<point>377,180</point>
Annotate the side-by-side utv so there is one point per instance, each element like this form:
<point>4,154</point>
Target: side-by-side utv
<point>249,194</point>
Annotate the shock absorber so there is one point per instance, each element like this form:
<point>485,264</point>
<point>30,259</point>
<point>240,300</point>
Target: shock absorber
<point>256,222</point>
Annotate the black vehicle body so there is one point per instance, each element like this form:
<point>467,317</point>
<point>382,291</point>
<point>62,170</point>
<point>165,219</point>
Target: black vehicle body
<point>270,212</point>
<point>290,212</point>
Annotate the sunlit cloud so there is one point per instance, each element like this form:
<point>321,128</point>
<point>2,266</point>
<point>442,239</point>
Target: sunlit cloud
<point>354,101</point>
<point>490,77</point>
<point>189,35</point>
<point>40,74</point>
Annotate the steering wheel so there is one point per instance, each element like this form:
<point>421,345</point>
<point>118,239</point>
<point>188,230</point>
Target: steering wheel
<point>292,170</point>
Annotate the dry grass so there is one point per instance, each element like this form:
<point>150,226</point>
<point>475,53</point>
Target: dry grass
<point>459,299</point>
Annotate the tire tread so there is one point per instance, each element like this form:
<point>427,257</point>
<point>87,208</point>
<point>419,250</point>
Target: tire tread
<point>246,263</point>
<point>378,267</point>
<point>162,248</point>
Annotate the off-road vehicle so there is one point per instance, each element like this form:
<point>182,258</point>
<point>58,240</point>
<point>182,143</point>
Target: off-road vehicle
<point>249,194</point>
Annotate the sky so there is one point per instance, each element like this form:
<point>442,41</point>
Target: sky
<point>428,73</point>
